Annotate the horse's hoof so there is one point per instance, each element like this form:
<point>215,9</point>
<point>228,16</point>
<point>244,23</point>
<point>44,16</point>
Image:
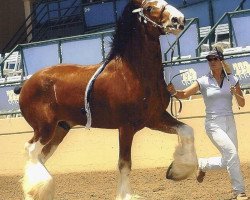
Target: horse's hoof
<point>169,172</point>
<point>180,171</point>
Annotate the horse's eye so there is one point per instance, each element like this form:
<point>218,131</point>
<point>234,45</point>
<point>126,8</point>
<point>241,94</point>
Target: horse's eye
<point>149,8</point>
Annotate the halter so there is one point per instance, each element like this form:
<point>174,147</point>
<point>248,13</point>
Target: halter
<point>147,19</point>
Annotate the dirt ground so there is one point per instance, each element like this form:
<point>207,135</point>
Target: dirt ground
<point>84,165</point>
<point>150,184</point>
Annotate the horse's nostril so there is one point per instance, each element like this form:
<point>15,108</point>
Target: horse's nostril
<point>181,27</point>
<point>174,20</point>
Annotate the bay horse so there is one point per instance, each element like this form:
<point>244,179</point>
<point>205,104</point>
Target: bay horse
<point>128,95</point>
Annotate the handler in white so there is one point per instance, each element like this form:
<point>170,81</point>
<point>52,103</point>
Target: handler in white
<point>220,126</point>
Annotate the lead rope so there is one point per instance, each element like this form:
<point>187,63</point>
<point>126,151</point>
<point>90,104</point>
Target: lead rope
<point>170,81</point>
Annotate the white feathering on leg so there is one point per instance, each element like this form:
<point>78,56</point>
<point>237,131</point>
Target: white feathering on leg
<point>37,182</point>
<point>185,158</point>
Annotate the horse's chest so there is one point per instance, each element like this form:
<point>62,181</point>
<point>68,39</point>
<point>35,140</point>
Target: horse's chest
<point>148,101</point>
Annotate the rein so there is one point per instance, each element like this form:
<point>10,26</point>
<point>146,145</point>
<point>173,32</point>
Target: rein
<point>172,96</point>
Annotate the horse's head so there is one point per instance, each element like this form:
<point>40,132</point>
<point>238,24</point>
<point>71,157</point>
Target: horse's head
<point>161,15</point>
<point>148,18</point>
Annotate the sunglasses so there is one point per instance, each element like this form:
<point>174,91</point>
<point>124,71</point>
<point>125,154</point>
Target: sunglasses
<point>212,59</point>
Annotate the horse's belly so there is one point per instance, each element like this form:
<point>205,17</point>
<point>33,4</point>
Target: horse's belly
<point>136,115</point>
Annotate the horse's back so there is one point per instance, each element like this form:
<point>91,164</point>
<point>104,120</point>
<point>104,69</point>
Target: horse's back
<point>55,88</point>
<point>65,71</point>
<point>59,74</point>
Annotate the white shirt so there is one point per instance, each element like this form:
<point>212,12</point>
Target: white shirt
<point>217,98</point>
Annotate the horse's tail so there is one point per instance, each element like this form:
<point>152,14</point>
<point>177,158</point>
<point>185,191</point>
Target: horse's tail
<point>18,89</point>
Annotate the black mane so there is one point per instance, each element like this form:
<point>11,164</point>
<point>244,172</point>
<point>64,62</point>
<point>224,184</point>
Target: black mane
<point>124,29</point>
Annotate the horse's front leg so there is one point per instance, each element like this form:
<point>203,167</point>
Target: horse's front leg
<point>185,158</point>
<point>126,135</point>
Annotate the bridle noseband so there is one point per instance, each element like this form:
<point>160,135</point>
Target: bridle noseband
<point>147,19</point>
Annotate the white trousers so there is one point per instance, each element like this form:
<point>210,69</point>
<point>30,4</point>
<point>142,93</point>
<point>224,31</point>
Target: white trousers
<point>223,134</point>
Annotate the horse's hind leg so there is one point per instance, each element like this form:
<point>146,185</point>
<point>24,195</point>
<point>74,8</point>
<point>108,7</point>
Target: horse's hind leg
<point>185,158</point>
<point>38,184</point>
<point>61,131</point>
<point>124,164</point>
